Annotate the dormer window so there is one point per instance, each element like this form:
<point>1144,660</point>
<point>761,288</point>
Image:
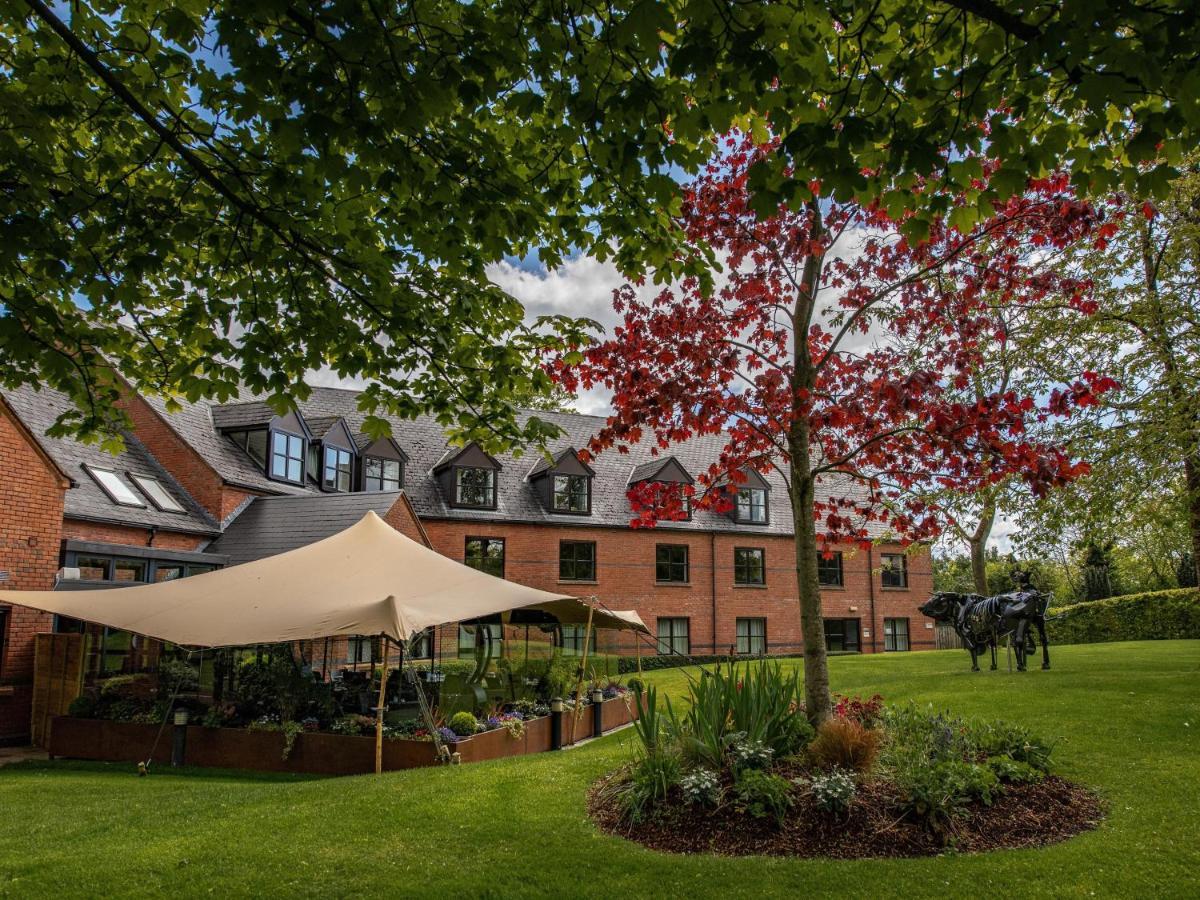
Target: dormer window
<point>287,457</point>
<point>382,474</point>
<point>572,493</point>
<point>468,477</point>
<point>339,469</point>
<point>752,505</point>
<point>563,483</point>
<point>382,463</point>
<point>672,478</point>
<point>751,500</point>
<point>474,487</point>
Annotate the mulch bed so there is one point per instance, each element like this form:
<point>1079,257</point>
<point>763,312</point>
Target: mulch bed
<point>1029,815</point>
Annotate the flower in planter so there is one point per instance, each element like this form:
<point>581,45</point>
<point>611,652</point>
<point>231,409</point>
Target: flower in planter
<point>447,736</point>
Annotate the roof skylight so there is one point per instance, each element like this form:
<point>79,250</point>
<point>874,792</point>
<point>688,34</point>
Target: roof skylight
<point>158,495</point>
<point>112,485</point>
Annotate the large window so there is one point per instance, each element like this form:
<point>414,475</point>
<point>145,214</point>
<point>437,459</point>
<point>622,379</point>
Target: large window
<point>479,636</point>
<point>752,505</point>
<point>287,457</point>
<point>572,637</point>
<point>673,636</point>
<point>382,474</point>
<point>751,637</point>
<point>359,649</point>
<point>749,566</point>
<point>829,568</point>
<point>339,469</point>
<point>474,487</point>
<point>572,493</point>
<point>671,564</point>
<point>895,634</point>
<point>577,560</point>
<point>894,570</point>
<point>486,555</point>
<point>841,635</point>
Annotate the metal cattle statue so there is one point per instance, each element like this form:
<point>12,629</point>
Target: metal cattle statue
<point>983,622</point>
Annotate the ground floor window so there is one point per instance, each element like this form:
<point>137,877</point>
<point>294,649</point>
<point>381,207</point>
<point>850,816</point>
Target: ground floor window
<point>572,639</point>
<point>751,637</point>
<point>895,634</point>
<point>421,646</point>
<point>841,635</point>
<point>479,636</point>
<point>673,636</point>
<point>360,649</point>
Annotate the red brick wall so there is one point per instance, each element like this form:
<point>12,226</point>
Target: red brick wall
<point>31,504</point>
<point>178,458</point>
<point>625,580</point>
<point>129,535</point>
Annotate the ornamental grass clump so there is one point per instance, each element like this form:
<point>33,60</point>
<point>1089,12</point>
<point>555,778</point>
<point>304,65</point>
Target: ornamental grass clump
<point>845,744</point>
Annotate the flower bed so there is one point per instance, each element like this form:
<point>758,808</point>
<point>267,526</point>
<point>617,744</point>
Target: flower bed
<point>741,771</point>
<point>315,753</point>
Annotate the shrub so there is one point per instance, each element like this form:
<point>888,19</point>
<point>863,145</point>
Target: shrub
<point>701,787</point>
<point>762,794</point>
<point>930,737</point>
<point>176,677</point>
<point>1004,739</point>
<point>1158,615</point>
<point>845,744</point>
<point>127,687</point>
<point>1010,770</point>
<point>626,664</point>
<point>868,713</point>
<point>833,791</point>
<point>937,794</point>
<point>463,724</point>
<point>83,707</point>
<point>636,685</point>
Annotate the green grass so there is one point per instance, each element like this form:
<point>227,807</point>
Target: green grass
<point>1127,717</point>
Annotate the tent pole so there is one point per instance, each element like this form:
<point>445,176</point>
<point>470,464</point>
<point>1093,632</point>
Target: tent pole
<point>587,640</point>
<point>383,677</point>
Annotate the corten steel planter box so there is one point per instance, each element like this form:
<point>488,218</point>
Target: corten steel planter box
<point>312,753</point>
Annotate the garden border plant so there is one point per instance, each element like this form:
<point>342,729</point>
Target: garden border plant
<point>740,771</point>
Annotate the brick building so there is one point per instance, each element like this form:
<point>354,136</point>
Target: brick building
<point>212,485</point>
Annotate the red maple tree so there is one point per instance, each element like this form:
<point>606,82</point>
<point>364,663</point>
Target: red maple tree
<point>827,353</point>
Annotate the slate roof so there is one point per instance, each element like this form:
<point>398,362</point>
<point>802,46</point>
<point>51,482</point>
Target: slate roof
<point>425,443</point>
<point>242,415</point>
<point>544,465</point>
<point>271,525</point>
<point>85,500</point>
<point>320,425</point>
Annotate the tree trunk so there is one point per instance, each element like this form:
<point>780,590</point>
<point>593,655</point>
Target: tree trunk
<point>977,542</point>
<point>817,701</point>
<point>1192,481</point>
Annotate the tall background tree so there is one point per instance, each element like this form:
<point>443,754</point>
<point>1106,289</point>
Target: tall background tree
<point>212,193</point>
<point>1144,438</point>
<point>837,369</point>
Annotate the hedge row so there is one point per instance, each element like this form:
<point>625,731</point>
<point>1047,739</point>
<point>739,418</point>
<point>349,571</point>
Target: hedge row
<point>671,661</point>
<point>1155,616</point>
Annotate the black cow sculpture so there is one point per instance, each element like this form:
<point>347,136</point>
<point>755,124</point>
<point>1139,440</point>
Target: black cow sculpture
<point>983,622</point>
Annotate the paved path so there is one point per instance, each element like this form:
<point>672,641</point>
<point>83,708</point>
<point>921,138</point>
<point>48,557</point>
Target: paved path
<point>20,754</point>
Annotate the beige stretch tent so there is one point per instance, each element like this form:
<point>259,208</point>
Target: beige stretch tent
<point>366,580</point>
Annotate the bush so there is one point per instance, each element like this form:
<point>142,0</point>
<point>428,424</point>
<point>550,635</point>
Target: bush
<point>1154,616</point>
<point>626,664</point>
<point>83,707</point>
<point>176,677</point>
<point>867,713</point>
<point>1009,770</point>
<point>747,754</point>
<point>1015,742</point>
<point>762,794</point>
<point>463,724</point>
<point>833,791</point>
<point>845,744</point>
<point>650,780</point>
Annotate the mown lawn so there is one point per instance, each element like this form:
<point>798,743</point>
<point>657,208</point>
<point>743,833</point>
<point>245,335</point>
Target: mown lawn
<point>1127,716</point>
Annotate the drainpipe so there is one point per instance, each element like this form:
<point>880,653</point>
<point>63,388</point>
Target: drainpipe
<point>871,595</point>
<point>712,550</point>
